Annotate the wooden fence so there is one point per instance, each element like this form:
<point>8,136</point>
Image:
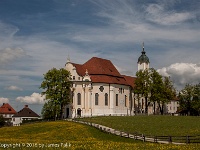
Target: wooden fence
<point>146,138</point>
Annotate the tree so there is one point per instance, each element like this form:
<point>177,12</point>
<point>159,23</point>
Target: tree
<point>196,100</point>
<point>190,99</point>
<point>50,110</point>
<point>2,121</point>
<point>168,93</point>
<point>156,89</point>
<point>142,85</point>
<point>56,85</point>
<point>186,96</point>
<point>150,84</point>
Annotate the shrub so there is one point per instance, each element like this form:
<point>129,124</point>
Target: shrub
<point>2,121</point>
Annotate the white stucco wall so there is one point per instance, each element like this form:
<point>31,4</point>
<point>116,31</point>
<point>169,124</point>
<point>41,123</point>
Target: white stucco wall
<point>18,120</point>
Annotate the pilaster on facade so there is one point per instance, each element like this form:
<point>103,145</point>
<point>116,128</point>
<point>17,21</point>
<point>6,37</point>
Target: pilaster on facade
<point>111,98</point>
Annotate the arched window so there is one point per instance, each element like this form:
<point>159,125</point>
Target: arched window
<point>116,99</point>
<point>79,99</point>
<point>106,99</point>
<point>96,98</point>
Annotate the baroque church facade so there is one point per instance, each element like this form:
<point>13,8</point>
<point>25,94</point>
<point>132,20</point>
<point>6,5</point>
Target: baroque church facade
<point>99,89</point>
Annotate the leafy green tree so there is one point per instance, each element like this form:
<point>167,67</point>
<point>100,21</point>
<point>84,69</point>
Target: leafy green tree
<point>156,89</point>
<point>143,85</point>
<point>150,84</point>
<point>2,121</point>
<point>56,85</point>
<point>196,100</point>
<point>50,110</point>
<point>190,99</point>
<point>186,96</point>
<point>168,93</point>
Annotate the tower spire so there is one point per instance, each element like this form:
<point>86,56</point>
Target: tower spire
<point>143,60</point>
<point>68,58</point>
<point>143,46</point>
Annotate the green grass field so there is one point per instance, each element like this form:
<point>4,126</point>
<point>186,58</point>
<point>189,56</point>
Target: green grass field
<point>70,135</point>
<point>152,125</point>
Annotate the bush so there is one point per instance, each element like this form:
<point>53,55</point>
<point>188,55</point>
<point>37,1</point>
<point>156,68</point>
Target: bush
<point>2,121</point>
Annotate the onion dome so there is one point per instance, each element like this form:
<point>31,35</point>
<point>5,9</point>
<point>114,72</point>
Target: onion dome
<point>143,58</point>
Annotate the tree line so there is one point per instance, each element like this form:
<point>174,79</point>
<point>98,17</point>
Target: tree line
<point>154,88</point>
<point>189,98</point>
<point>158,89</point>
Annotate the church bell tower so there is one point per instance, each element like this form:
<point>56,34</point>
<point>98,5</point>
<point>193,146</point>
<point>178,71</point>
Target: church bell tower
<point>143,60</point>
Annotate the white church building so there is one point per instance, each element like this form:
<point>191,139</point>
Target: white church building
<point>99,89</point>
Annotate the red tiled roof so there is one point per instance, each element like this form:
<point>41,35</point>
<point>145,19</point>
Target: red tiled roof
<point>80,69</point>
<point>130,80</point>
<point>26,112</point>
<point>108,79</point>
<point>103,71</point>
<point>101,66</point>
<point>7,109</point>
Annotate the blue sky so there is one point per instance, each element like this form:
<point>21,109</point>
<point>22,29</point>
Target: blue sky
<point>37,35</point>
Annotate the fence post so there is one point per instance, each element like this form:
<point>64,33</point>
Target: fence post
<point>155,139</point>
<point>135,136</point>
<point>143,137</point>
<point>187,139</point>
<point>108,131</point>
<point>170,139</point>
<point>128,135</point>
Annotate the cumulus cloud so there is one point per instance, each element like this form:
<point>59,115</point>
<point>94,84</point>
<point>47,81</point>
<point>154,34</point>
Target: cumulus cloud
<point>14,88</point>
<point>35,98</point>
<point>10,54</point>
<point>182,73</point>
<point>4,100</point>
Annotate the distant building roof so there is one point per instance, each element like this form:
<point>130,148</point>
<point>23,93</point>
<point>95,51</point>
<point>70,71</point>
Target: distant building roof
<point>7,109</point>
<point>103,71</point>
<point>26,112</point>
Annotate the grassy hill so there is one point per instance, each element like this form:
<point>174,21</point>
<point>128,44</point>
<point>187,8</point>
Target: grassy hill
<point>70,135</point>
<point>152,125</point>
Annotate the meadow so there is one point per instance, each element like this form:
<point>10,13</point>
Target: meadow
<point>71,135</point>
<point>152,125</point>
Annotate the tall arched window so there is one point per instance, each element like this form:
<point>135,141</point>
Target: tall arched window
<point>106,99</point>
<point>96,98</point>
<point>116,99</point>
<point>79,99</point>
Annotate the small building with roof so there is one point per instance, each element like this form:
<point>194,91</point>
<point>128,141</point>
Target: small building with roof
<point>25,114</point>
<point>7,111</point>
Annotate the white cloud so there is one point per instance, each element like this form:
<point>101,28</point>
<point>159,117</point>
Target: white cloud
<point>7,30</point>
<point>157,13</point>
<point>10,54</point>
<point>182,73</point>
<point>35,98</point>
<point>4,100</point>
<point>14,88</point>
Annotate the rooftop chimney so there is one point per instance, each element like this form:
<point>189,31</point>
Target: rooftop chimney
<point>26,106</point>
